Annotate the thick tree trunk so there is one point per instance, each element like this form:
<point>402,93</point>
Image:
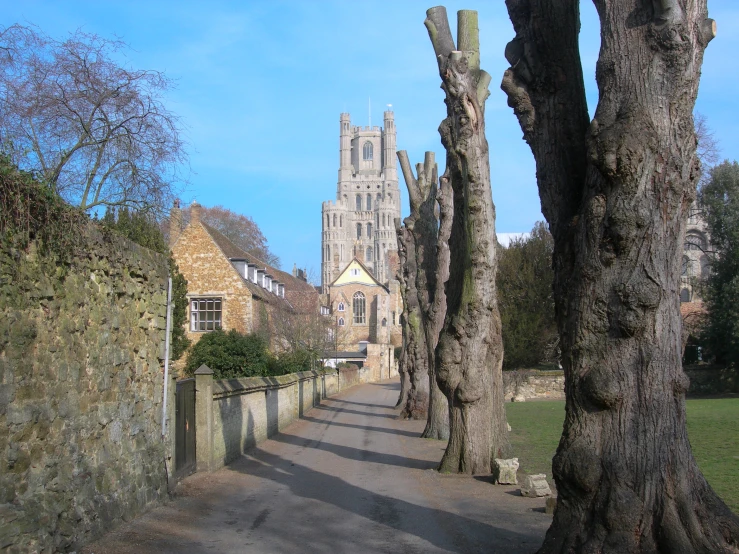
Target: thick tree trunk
<point>416,402</point>
<point>422,226</point>
<point>616,192</point>
<point>469,354</point>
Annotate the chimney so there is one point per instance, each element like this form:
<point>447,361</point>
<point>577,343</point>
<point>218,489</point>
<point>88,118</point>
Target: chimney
<point>195,211</point>
<point>175,223</point>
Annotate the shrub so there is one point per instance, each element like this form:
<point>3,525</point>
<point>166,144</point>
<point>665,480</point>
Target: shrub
<point>291,362</point>
<point>230,355</point>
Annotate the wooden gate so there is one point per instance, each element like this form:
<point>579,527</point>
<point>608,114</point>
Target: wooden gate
<point>185,428</point>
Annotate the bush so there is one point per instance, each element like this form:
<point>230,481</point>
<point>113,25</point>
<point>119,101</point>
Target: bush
<point>291,362</point>
<point>230,355</point>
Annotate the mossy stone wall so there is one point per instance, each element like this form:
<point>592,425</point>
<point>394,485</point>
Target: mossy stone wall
<point>81,348</point>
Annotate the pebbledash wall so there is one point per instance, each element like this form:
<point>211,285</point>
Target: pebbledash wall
<point>233,415</point>
<point>81,346</point>
<point>522,385</point>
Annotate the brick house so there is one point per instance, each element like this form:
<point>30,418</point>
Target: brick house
<point>364,309</point>
<point>230,289</point>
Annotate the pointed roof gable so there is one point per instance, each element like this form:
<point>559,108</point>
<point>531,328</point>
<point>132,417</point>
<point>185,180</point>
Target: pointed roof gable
<point>356,273</point>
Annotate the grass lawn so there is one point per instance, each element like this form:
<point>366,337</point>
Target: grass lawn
<point>713,428</point>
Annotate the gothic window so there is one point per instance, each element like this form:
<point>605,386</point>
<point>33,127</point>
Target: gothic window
<point>341,221</point>
<point>328,253</point>
<point>341,322</point>
<point>205,314</point>
<point>334,220</point>
<point>695,241</point>
<point>369,253</point>
<point>369,230</point>
<point>369,201</point>
<point>705,267</point>
<point>358,305</point>
<point>327,221</point>
<point>367,151</point>
<point>383,221</point>
<point>685,267</point>
<point>342,253</point>
<point>393,318</point>
<point>359,230</point>
<point>359,202</point>
<point>384,322</point>
<point>341,307</point>
<point>685,295</point>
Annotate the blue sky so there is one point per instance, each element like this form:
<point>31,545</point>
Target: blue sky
<point>260,86</point>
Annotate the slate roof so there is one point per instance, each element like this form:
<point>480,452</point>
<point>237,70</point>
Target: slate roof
<point>295,289</point>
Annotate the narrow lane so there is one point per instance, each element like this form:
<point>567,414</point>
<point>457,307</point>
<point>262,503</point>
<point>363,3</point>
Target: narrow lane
<point>348,477</point>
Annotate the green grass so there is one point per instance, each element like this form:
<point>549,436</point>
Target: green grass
<point>713,428</point>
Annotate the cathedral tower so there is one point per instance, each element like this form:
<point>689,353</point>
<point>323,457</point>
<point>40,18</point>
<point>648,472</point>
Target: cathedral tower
<point>359,223</point>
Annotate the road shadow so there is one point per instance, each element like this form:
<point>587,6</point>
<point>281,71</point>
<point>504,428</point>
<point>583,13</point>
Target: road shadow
<point>356,454</point>
<point>349,411</point>
<point>398,432</point>
<point>445,530</point>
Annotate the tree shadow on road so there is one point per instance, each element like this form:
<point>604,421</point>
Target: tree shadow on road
<point>356,412</point>
<point>443,529</point>
<point>398,432</point>
<point>357,454</point>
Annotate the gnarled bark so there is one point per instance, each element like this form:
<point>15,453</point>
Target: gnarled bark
<point>616,192</point>
<point>469,353</point>
<point>422,226</point>
<point>414,366</point>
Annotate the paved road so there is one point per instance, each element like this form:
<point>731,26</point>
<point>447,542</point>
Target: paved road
<point>349,477</point>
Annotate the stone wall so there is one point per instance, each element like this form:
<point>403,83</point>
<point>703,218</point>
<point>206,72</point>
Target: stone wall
<point>80,390</point>
<point>234,415</point>
<point>530,384</point>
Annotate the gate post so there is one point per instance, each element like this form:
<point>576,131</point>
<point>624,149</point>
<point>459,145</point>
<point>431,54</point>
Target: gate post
<point>170,440</point>
<point>204,418</point>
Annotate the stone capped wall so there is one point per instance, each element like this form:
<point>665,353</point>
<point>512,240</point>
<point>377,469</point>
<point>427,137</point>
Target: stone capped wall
<point>80,391</point>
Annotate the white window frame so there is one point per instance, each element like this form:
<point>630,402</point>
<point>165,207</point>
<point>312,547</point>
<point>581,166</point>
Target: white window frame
<point>197,321</point>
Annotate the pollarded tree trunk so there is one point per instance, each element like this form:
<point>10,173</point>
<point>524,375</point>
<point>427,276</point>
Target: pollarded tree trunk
<point>616,192</point>
<point>402,363</point>
<point>422,224</point>
<point>416,401</point>
<point>469,354</point>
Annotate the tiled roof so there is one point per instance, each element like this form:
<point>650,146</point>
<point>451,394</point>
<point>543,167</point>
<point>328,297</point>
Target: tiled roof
<point>293,285</point>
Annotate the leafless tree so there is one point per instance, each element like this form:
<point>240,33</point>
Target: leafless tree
<point>240,229</point>
<point>616,191</point>
<point>469,355</point>
<point>96,133</point>
<point>419,236</point>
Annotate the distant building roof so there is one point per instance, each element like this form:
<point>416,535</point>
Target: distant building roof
<point>295,288</point>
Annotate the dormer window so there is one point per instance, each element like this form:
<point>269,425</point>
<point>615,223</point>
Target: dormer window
<point>367,151</point>
<point>354,272</point>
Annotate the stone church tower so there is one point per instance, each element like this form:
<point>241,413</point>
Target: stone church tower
<point>360,222</point>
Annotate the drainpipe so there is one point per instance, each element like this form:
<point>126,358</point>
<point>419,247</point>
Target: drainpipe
<point>166,356</point>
